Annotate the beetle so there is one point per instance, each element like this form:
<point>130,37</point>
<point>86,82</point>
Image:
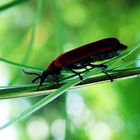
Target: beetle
<point>82,57</point>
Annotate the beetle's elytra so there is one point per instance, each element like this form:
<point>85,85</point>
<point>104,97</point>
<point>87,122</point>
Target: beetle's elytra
<point>82,57</point>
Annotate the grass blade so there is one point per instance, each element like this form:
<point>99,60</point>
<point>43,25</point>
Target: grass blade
<point>46,100</point>
<point>55,94</point>
<point>26,91</point>
<point>12,4</point>
<point>20,65</point>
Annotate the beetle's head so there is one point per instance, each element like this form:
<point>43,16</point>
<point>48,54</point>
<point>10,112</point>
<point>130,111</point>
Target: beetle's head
<point>42,77</point>
<point>45,74</point>
<point>52,70</point>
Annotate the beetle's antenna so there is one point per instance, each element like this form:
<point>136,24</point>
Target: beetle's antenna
<point>31,73</point>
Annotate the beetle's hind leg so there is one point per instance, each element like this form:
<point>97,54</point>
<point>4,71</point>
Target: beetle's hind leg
<point>111,79</point>
<point>103,68</point>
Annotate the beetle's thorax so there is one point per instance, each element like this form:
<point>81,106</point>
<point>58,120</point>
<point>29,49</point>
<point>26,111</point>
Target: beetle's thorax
<point>53,70</point>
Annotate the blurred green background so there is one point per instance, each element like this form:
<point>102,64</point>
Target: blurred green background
<point>34,33</point>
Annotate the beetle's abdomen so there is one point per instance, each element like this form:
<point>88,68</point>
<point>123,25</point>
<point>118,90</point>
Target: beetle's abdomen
<point>96,51</point>
<point>92,52</point>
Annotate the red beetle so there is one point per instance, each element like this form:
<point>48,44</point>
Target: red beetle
<point>82,57</point>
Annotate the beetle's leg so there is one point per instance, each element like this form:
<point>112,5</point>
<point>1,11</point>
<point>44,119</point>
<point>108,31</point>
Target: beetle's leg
<point>57,79</point>
<point>103,67</point>
<point>77,73</point>
<point>70,69</point>
<point>35,79</point>
<point>111,79</point>
<point>86,68</point>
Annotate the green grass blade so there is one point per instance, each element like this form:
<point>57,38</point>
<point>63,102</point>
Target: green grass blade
<point>12,4</point>
<point>57,93</point>
<point>25,91</point>
<point>46,100</point>
<point>21,66</point>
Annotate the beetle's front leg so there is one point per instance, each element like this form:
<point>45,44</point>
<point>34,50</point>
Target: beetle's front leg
<point>56,79</point>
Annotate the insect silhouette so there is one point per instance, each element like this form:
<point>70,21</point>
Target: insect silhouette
<point>82,57</point>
